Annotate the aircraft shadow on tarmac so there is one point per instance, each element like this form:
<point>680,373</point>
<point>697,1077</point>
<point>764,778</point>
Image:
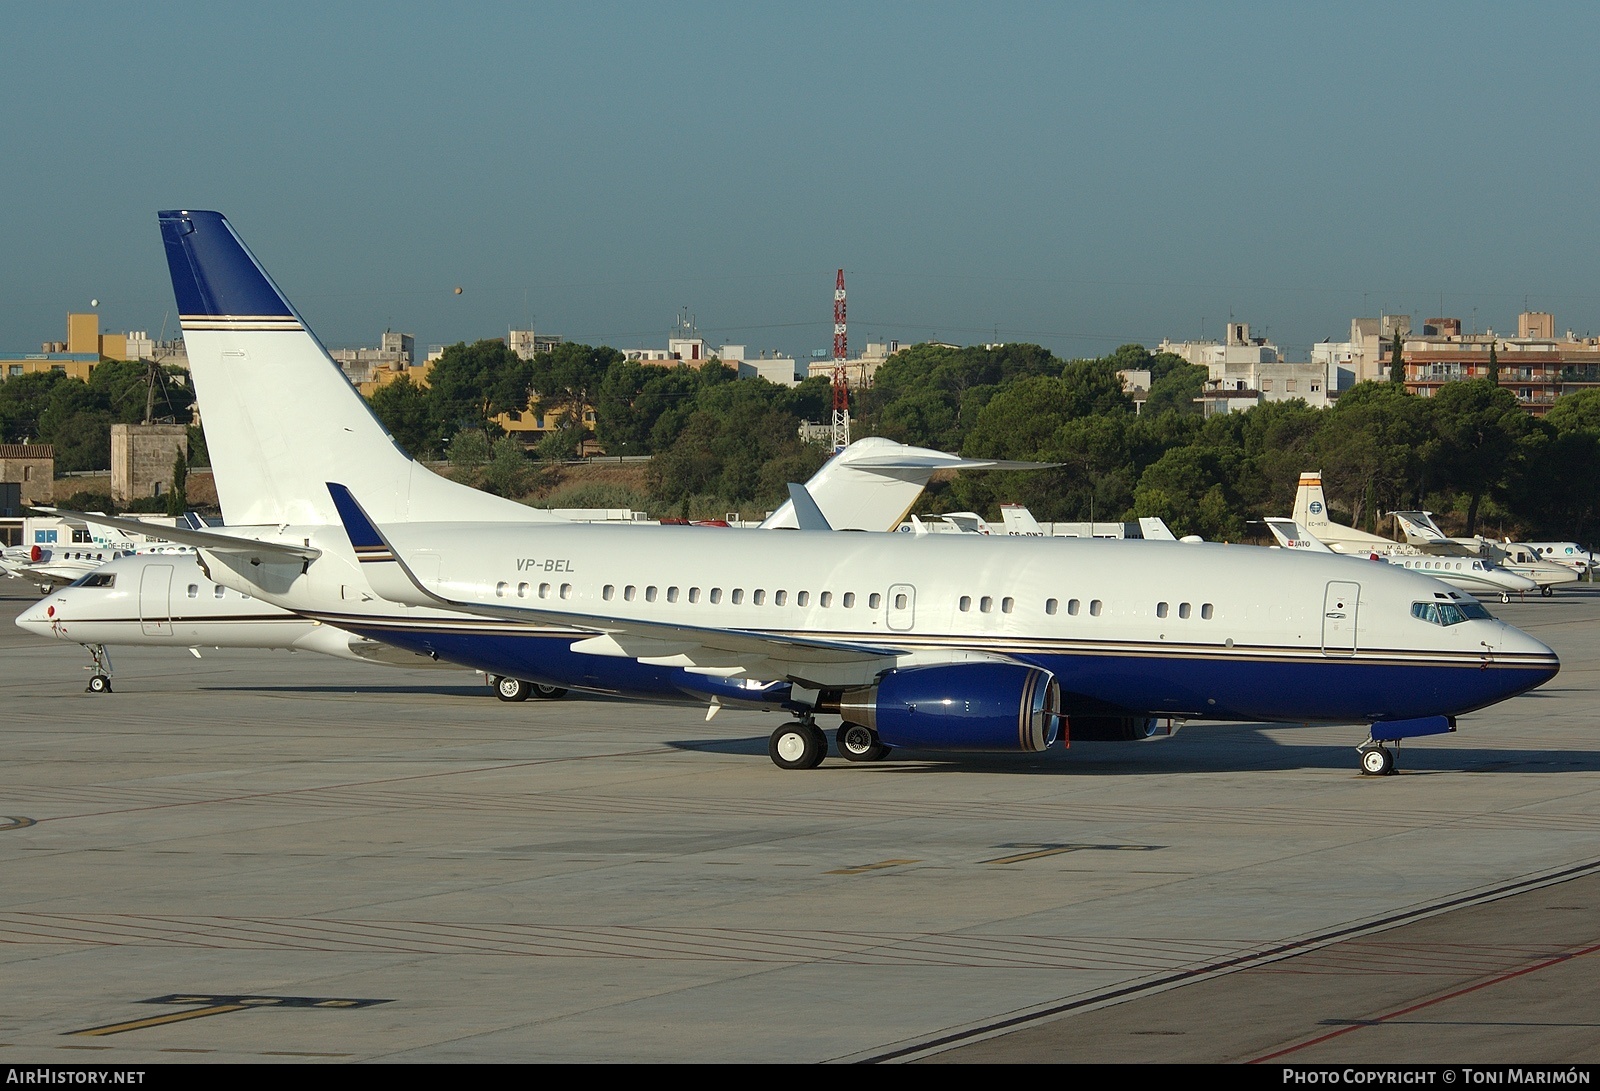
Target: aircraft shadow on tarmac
<point>1218,749</point>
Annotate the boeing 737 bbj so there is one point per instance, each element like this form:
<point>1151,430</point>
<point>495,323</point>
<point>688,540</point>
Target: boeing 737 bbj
<point>939,641</point>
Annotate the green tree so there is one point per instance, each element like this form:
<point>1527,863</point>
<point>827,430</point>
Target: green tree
<point>402,408</point>
<point>1477,426</point>
<point>1397,366</point>
<point>508,472</point>
<point>469,385</point>
<point>567,382</point>
<point>1494,365</point>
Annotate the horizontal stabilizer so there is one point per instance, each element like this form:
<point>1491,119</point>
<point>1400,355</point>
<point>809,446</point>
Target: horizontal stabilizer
<point>201,539</point>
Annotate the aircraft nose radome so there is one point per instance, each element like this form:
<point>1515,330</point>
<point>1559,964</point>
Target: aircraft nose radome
<point>34,617</point>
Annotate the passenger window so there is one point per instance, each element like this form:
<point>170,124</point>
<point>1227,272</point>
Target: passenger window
<point>522,590</point>
<point>650,593</point>
<point>194,590</point>
<point>802,598</point>
<point>607,591</point>
<point>566,590</point>
<point>759,598</point>
<point>500,589</point>
<point>964,605</point>
<point>694,594</point>
<point>825,599</point>
<point>1205,611</point>
<point>1183,609</point>
<point>544,590</point>
<point>1161,609</point>
<point>874,600</point>
<point>1072,607</point>
<point>1094,607</point>
<point>716,595</point>
<point>780,597</point>
<point>1050,606</point>
<point>217,591</point>
<point>849,600</point>
<point>672,594</point>
<point>900,602</point>
<point>1007,604</point>
<point>986,604</point>
<point>628,593</point>
<point>738,595</point>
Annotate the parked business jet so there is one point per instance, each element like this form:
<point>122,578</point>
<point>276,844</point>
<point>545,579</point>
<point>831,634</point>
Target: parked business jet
<point>1472,574</point>
<point>1571,554</point>
<point>166,600</point>
<point>944,641</point>
<point>1521,560</point>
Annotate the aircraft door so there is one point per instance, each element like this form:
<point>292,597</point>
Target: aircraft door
<point>155,591</point>
<point>901,607</point>
<point>1339,618</point>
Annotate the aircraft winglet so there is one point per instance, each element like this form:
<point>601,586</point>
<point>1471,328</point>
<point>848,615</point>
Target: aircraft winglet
<point>807,514</point>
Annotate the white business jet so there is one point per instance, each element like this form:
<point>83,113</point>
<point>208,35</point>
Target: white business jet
<point>160,600</point>
<point>1450,564</point>
<point>955,642</point>
<point>1520,560</point>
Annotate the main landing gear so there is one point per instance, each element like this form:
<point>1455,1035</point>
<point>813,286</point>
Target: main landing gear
<point>100,681</point>
<point>1377,760</point>
<point>801,744</point>
<point>515,689</point>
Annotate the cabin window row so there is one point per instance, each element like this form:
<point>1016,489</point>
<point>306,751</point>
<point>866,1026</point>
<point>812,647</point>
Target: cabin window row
<point>986,604</point>
<point>1184,610</point>
<point>673,594</point>
<point>1074,606</point>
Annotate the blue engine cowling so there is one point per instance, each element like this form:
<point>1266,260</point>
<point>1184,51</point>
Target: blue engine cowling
<point>960,706</point>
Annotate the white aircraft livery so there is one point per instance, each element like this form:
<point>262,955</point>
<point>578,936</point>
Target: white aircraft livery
<point>953,641</point>
<point>166,600</point>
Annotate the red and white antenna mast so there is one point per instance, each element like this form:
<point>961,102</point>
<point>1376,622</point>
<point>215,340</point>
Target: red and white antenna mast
<point>841,385</point>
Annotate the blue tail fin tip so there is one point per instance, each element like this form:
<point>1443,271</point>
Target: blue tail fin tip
<point>213,273</point>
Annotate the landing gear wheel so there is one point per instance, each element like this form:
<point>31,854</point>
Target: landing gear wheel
<point>1505,596</point>
<point>546,693</point>
<point>798,745</point>
<point>1547,591</point>
<point>99,684</point>
<point>512,689</point>
<point>1377,762</point>
<point>860,743</point>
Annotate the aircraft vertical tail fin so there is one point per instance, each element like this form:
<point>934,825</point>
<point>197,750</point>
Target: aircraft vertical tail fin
<point>1310,506</point>
<point>280,417</point>
<point>1020,521</point>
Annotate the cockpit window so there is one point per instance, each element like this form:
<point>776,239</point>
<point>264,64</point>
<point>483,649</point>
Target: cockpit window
<point>97,579</point>
<point>1449,613</point>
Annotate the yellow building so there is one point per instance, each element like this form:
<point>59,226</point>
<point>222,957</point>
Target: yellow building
<point>77,356</point>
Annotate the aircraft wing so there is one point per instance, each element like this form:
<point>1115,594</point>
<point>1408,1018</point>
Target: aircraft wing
<point>203,539</point>
<point>699,649</point>
<point>44,574</point>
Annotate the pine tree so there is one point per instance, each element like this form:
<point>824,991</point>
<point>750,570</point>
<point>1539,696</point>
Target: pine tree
<point>1397,367</point>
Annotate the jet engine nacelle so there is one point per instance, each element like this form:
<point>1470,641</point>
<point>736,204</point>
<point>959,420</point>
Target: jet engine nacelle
<point>960,706</point>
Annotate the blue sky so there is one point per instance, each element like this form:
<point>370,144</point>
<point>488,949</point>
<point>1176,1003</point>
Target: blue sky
<point>1075,175</point>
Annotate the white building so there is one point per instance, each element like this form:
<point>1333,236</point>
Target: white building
<point>1244,371</point>
<point>858,371</point>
